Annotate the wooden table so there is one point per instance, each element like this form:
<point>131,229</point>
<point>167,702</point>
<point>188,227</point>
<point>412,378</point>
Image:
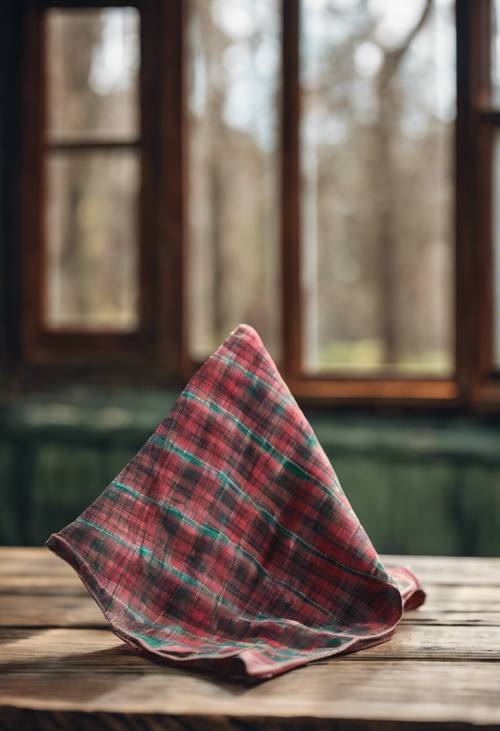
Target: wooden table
<point>62,668</point>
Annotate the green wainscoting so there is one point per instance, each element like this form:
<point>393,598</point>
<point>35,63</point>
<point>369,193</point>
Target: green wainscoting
<point>419,484</point>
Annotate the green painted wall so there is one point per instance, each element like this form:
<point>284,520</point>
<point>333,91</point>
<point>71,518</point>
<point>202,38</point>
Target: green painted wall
<point>419,485</point>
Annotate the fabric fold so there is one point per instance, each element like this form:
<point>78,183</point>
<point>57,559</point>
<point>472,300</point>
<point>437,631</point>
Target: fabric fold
<point>227,542</point>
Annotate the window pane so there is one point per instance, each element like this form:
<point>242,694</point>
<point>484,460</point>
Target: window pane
<point>92,72</point>
<point>496,252</point>
<point>378,81</point>
<point>233,76</point>
<point>92,240</point>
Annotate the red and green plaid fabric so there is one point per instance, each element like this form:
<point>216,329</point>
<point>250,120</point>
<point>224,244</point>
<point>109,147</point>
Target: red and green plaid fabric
<point>227,542</point>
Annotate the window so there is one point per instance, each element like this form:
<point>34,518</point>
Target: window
<point>99,288</point>
<point>376,134</point>
<point>232,88</point>
<point>326,170</point>
<point>91,169</point>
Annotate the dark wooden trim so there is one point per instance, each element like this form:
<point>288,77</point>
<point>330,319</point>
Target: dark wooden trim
<point>86,4</point>
<point>328,390</point>
<point>68,345</point>
<point>12,62</point>
<point>291,315</point>
<point>486,395</point>
<point>464,233</point>
<point>476,128</point>
<point>171,187</point>
<point>150,175</point>
<point>479,126</point>
<point>374,391</point>
<point>32,183</point>
<point>489,115</point>
<point>483,138</point>
<point>90,145</point>
<point>484,299</point>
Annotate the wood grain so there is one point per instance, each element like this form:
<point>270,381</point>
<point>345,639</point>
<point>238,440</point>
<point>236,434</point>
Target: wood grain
<point>29,561</point>
<point>450,569</point>
<point>403,691</point>
<point>52,611</point>
<point>61,667</point>
<point>65,650</point>
<point>440,597</point>
<point>80,611</point>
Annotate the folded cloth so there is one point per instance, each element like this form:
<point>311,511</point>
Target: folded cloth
<point>227,542</point>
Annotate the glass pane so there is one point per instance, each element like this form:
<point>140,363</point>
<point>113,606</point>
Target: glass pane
<point>92,71</point>
<point>92,240</point>
<point>377,140</point>
<point>233,58</point>
<point>496,252</point>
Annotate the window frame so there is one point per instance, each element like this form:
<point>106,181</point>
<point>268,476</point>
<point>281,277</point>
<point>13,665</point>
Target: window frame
<point>150,351</point>
<point>477,119</point>
<point>158,352</point>
<point>324,388</point>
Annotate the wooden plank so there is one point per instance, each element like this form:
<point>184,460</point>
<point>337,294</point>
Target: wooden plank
<point>57,649</point>
<point>450,642</point>
<point>429,616</point>
<point>463,598</point>
<point>27,720</point>
<point>439,670</point>
<point>37,572</point>
<point>81,611</point>
<point>440,598</point>
<point>50,585</point>
<point>450,569</point>
<point>65,650</point>
<point>52,611</point>
<point>405,692</point>
<point>430,569</point>
<point>16,561</point>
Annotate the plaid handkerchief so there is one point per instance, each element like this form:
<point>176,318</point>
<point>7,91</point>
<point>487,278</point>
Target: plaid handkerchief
<point>227,542</point>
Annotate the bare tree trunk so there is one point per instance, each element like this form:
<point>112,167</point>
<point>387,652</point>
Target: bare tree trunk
<point>217,215</point>
<point>386,239</point>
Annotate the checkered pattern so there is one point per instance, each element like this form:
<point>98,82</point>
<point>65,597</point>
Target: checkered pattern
<point>227,542</point>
